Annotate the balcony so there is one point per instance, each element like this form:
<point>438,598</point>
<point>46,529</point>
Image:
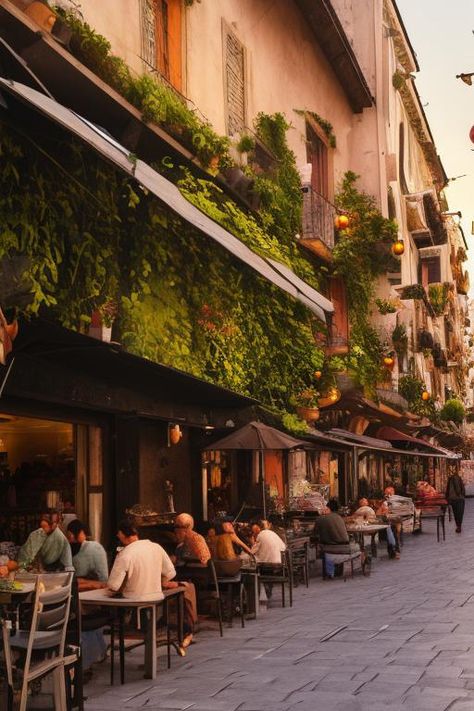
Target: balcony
<point>424,220</point>
<point>317,233</point>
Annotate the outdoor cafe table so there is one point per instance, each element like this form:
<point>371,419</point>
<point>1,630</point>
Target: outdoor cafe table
<point>361,530</point>
<point>103,597</point>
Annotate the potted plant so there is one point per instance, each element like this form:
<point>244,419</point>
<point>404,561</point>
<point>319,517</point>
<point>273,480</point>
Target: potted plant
<point>387,306</point>
<point>102,320</point>
<point>307,404</point>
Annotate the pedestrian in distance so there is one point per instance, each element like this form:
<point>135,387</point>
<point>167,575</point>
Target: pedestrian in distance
<point>455,494</point>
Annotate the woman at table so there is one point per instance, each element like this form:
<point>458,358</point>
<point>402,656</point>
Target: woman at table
<point>226,539</point>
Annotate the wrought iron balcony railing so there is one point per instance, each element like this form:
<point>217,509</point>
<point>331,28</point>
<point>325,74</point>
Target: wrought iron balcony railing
<point>317,232</point>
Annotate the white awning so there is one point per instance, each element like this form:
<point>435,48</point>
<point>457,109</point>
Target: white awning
<point>168,193</point>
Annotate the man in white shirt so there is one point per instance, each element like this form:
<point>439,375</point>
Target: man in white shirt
<point>268,545</point>
<point>141,567</point>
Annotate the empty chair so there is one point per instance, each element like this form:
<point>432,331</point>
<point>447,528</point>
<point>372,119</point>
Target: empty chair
<point>300,563</point>
<point>42,645</point>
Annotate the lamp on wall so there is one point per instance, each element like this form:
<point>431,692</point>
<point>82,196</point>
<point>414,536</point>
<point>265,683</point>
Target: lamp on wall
<point>466,78</point>
<point>174,434</point>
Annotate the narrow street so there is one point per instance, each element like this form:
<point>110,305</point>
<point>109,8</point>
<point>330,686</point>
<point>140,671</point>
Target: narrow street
<point>401,639</point>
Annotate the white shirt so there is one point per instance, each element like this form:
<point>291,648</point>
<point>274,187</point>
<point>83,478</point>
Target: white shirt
<point>268,547</point>
<point>141,565</point>
<point>365,512</point>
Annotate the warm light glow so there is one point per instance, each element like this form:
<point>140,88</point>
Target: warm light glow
<point>341,222</point>
<point>175,434</point>
<point>425,395</point>
<point>398,248</point>
<point>317,374</point>
<point>388,362</point>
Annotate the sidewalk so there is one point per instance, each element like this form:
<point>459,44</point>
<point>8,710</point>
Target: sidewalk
<point>401,639</point>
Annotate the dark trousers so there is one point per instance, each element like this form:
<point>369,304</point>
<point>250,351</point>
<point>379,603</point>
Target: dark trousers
<point>457,506</point>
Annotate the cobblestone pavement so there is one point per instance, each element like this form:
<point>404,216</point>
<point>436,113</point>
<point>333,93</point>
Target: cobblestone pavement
<point>401,639</point>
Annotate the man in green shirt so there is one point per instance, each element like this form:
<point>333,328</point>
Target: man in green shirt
<point>47,546</point>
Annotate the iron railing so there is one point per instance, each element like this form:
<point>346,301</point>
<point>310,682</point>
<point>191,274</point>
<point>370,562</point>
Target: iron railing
<point>318,217</point>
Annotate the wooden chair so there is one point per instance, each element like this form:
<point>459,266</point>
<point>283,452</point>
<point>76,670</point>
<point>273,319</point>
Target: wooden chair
<point>43,643</point>
<point>229,578</point>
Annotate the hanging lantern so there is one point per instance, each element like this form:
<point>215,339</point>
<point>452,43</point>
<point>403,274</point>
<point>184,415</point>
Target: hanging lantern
<point>471,134</point>
<point>341,222</point>
<point>174,434</point>
<point>425,395</point>
<point>317,374</point>
<point>389,361</point>
<point>398,248</point>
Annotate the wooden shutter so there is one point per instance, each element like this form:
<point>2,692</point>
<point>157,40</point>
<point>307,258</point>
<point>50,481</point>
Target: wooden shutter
<point>162,38</point>
<point>235,83</point>
<point>339,331</point>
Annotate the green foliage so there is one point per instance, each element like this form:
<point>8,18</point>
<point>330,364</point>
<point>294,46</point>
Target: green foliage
<point>280,192</point>
<point>96,241</point>
<point>246,144</point>
<point>414,291</point>
<point>386,306</point>
<point>323,123</point>
<point>293,424</point>
<point>361,254</point>
<point>400,339</point>
<point>453,411</point>
<point>157,101</point>
<point>411,388</point>
<point>438,297</point>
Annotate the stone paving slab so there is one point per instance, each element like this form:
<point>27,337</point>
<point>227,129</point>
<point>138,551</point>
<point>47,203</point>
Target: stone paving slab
<point>407,644</point>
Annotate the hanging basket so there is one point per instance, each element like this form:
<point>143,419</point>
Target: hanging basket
<point>309,414</point>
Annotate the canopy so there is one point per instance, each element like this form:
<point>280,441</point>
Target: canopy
<point>257,436</point>
<point>393,435</point>
<point>275,272</point>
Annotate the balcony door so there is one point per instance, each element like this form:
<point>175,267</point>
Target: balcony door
<point>317,155</point>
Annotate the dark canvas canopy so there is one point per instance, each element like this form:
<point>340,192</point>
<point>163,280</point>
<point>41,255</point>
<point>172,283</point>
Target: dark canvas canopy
<point>257,436</point>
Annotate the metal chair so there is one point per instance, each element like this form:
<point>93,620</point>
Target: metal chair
<point>45,639</point>
<point>229,577</point>
<point>300,563</point>
<point>278,574</point>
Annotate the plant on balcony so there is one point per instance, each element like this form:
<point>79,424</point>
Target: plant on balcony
<point>323,123</point>
<point>412,388</point>
<point>438,297</point>
<point>246,144</point>
<point>414,291</point>
<point>400,340</point>
<point>387,306</point>
<point>453,411</point>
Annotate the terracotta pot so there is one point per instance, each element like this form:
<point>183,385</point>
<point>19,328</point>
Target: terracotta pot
<point>309,414</point>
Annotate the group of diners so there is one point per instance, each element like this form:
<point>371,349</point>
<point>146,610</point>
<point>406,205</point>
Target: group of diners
<point>144,569</point>
<point>141,568</point>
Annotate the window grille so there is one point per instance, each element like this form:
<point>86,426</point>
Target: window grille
<point>235,83</point>
<point>148,29</point>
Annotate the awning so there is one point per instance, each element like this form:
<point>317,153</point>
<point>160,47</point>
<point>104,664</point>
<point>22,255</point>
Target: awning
<point>39,340</point>
<point>376,444</point>
<point>278,274</point>
<point>393,435</point>
<point>361,439</point>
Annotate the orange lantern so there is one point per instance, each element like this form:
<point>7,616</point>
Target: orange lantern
<point>174,434</point>
<point>341,222</point>
<point>398,248</point>
<point>389,361</point>
<point>317,374</point>
<point>425,395</point>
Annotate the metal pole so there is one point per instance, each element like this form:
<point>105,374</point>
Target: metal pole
<point>262,475</point>
<point>2,386</point>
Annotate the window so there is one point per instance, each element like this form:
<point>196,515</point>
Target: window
<point>430,271</point>
<point>401,160</point>
<point>161,38</point>
<point>234,68</point>
<point>317,155</point>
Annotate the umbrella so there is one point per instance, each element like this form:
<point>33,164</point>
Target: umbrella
<point>257,436</point>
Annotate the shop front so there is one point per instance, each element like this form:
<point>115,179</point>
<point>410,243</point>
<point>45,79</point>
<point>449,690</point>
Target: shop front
<point>92,430</point>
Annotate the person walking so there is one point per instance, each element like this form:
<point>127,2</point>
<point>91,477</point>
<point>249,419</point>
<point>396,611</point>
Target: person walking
<point>455,494</point>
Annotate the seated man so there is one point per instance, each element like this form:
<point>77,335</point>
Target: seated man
<point>90,563</point>
<point>47,547</point>
<point>364,511</point>
<point>268,545</point>
<point>141,567</point>
<point>331,533</point>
